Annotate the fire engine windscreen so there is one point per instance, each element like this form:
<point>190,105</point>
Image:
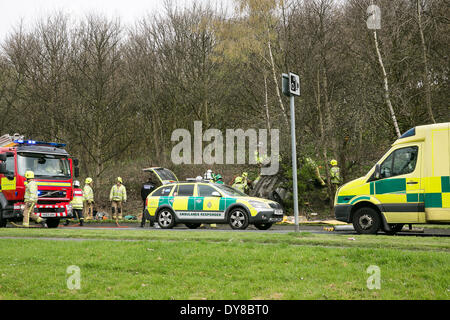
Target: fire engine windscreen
<point>44,165</point>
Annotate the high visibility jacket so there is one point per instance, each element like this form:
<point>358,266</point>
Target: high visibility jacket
<point>118,193</point>
<point>335,175</point>
<point>77,202</point>
<point>88,193</point>
<point>239,186</point>
<point>31,192</point>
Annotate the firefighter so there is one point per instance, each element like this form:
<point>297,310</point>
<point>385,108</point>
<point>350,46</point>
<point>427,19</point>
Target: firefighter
<point>117,196</point>
<point>239,184</point>
<point>335,176</point>
<point>31,197</point>
<point>88,199</point>
<point>77,203</point>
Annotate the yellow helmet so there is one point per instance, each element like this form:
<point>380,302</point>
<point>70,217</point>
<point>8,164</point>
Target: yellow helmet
<point>88,180</point>
<point>238,180</point>
<point>29,174</point>
<point>244,174</point>
<point>119,179</point>
<point>333,162</point>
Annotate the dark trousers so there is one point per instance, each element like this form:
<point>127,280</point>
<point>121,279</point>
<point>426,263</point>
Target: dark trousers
<point>145,216</point>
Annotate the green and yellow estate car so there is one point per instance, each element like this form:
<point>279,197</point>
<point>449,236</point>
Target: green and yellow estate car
<point>194,203</point>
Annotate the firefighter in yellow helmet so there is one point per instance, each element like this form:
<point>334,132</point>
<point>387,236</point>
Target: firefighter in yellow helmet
<point>88,199</point>
<point>239,184</point>
<point>335,176</point>
<point>117,196</point>
<point>31,197</point>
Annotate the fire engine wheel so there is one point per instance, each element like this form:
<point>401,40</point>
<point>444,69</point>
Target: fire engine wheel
<point>366,220</point>
<point>52,222</point>
<point>263,226</point>
<point>166,218</point>
<point>193,225</point>
<point>238,219</point>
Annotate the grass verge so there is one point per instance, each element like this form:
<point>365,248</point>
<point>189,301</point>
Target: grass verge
<point>161,264</point>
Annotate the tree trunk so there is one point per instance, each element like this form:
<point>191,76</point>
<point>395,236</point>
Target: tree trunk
<point>386,86</point>
<point>426,76</point>
<point>272,64</point>
<point>266,103</point>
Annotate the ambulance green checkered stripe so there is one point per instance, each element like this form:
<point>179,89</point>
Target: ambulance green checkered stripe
<point>414,197</point>
<point>390,186</point>
<point>345,199</point>
<point>225,203</point>
<point>359,198</point>
<point>445,183</point>
<point>165,200</point>
<point>433,200</point>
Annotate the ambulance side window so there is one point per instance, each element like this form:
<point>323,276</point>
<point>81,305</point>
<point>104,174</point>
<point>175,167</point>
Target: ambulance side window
<point>401,161</point>
<point>205,191</point>
<point>163,191</point>
<point>185,190</point>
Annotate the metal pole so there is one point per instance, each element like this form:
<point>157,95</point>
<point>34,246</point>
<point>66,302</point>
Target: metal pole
<point>294,163</point>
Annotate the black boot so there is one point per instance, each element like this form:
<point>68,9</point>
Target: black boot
<point>81,222</point>
<point>66,222</point>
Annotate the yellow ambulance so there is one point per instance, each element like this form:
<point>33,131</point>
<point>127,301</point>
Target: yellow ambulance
<point>410,184</point>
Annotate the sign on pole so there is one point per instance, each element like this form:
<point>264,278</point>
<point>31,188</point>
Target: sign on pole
<point>294,84</point>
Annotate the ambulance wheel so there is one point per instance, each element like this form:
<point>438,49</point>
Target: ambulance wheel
<point>263,226</point>
<point>366,220</point>
<point>192,225</point>
<point>52,222</point>
<point>238,219</point>
<point>165,218</point>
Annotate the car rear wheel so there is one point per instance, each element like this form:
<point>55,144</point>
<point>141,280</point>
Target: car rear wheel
<point>192,225</point>
<point>366,220</point>
<point>238,219</point>
<point>263,226</point>
<point>166,219</point>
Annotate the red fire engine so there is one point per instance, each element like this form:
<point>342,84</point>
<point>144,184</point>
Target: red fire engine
<point>54,170</point>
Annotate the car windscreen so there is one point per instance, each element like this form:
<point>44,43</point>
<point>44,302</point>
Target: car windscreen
<point>229,191</point>
<point>44,165</point>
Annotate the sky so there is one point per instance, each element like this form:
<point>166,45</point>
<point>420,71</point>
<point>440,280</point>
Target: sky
<point>30,11</point>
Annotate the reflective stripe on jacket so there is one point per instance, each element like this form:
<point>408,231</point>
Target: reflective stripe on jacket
<point>77,202</point>
<point>31,192</point>
<point>118,193</point>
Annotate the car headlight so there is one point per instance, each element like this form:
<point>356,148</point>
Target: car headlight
<point>258,204</point>
<point>69,209</point>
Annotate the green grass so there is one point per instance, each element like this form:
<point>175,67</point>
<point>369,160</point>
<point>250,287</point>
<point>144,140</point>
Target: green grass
<point>220,265</point>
